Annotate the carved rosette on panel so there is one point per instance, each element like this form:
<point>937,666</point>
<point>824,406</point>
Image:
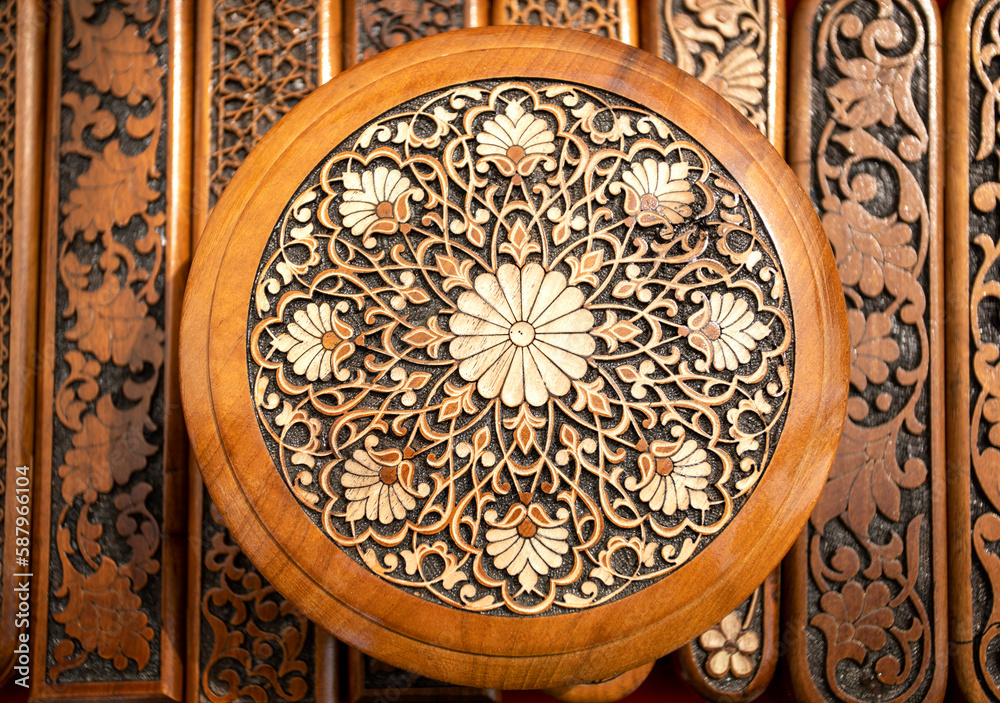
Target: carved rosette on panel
<point>520,348</point>
<point>253,643</point>
<point>607,18</point>
<point>977,610</point>
<point>727,44</point>
<point>104,603</point>
<point>867,575</point>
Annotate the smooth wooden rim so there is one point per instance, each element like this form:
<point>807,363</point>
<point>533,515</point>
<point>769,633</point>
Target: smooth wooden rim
<point>381,619</point>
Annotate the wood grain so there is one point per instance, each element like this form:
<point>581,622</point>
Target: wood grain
<point>245,639</point>
<point>409,630</point>
<point>615,19</point>
<point>972,332</point>
<point>866,583</point>
<point>22,46</point>
<point>738,49</point>
<point>111,459</point>
<point>372,26</point>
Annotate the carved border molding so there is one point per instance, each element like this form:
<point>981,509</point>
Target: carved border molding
<point>866,581</point>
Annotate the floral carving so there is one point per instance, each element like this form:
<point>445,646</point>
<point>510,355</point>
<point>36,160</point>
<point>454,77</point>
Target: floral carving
<point>730,648</point>
<point>384,24</point>
<point>601,17</point>
<point>867,582</point>
<point>474,413</point>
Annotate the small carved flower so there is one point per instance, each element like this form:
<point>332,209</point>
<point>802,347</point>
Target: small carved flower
<point>375,487</point>
<point>738,77</point>
<point>872,252</point>
<point>872,349</point>
<point>514,142</point>
<point>657,193</point>
<point>522,334</point>
<point>377,201</point>
<point>316,343</point>
<point>723,15</point>
<point>527,543</point>
<point>855,620</point>
<point>729,648</point>
<point>725,331</point>
<point>673,480</point>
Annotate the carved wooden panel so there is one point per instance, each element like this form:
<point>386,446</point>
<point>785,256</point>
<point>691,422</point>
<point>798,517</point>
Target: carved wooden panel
<point>373,681</point>
<point>110,511</point>
<point>22,35</point>
<point>866,581</point>
<point>246,640</point>
<point>738,48</point>
<point>616,19</point>
<point>973,337</point>
<point>372,26</point>
<point>735,46</point>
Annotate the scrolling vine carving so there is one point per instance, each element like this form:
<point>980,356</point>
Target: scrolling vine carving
<point>603,17</point>
<point>255,643</point>
<point>104,603</point>
<point>726,44</point>
<point>383,24</point>
<point>520,348</point>
<point>867,585</point>
<point>983,412</point>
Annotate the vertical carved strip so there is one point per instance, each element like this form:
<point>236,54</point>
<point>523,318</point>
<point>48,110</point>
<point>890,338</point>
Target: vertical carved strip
<point>22,36</point>
<point>737,47</point>
<point>107,602</point>
<point>866,581</point>
<point>373,681</point>
<point>257,60</point>
<point>973,163</point>
<point>616,19</point>
<point>372,26</point>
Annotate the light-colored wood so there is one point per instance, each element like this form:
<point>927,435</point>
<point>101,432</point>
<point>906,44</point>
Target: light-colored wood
<point>452,643</point>
<point>971,254</point>
<point>865,586</point>
<point>23,49</point>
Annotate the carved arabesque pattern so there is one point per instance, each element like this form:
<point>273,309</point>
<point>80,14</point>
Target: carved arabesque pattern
<point>105,590</point>
<point>401,398</point>
<point>384,24</point>
<point>254,642</point>
<point>8,47</point>
<point>984,408</point>
<point>264,62</point>
<point>602,17</point>
<point>726,45</point>
<point>870,591</point>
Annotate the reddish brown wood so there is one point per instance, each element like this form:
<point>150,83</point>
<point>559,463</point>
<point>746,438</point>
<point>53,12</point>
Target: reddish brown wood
<point>372,26</point>
<point>405,629</point>
<point>615,19</point>
<point>866,583</point>
<point>736,47</point>
<point>608,691</point>
<point>110,455</point>
<point>373,681</point>
<point>972,332</point>
<point>22,41</point>
<point>256,61</point>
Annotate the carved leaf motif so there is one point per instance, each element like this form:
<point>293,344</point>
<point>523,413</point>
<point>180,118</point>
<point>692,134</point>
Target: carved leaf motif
<point>103,615</point>
<point>113,190</point>
<point>113,325</point>
<point>854,620</point>
<point>114,58</point>
<point>110,447</point>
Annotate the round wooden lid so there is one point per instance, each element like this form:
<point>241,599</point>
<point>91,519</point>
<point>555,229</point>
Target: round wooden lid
<point>514,357</point>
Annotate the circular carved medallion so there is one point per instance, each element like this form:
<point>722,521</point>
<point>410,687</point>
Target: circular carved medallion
<point>514,357</point>
<point>520,347</point>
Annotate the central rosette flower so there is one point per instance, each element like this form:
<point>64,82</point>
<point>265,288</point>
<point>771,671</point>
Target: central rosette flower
<point>523,334</point>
